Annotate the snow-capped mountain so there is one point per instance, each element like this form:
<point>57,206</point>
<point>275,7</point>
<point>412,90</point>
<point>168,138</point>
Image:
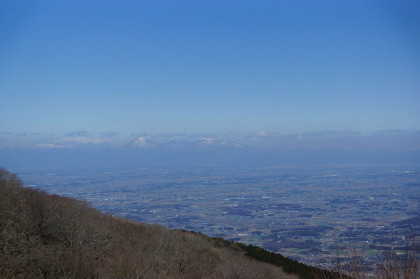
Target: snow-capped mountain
<point>142,142</point>
<point>184,143</point>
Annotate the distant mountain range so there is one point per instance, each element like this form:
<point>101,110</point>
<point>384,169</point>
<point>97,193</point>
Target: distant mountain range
<point>183,143</point>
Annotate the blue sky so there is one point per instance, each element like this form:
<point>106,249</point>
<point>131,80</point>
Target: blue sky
<point>125,68</point>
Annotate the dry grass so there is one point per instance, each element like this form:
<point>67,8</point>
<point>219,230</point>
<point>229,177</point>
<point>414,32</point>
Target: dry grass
<point>392,263</point>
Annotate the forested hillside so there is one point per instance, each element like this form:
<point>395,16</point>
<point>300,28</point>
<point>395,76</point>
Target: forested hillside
<point>48,236</point>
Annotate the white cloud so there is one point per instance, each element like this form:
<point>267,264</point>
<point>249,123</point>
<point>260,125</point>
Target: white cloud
<point>77,134</point>
<point>20,134</point>
<point>340,140</point>
<point>262,133</point>
<point>110,134</point>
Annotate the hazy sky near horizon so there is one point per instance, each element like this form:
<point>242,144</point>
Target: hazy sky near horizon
<point>127,67</point>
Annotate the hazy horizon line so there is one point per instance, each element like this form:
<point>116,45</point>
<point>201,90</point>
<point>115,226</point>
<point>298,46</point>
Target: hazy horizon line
<point>392,139</point>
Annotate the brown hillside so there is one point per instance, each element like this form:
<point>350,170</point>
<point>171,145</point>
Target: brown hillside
<point>48,236</point>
